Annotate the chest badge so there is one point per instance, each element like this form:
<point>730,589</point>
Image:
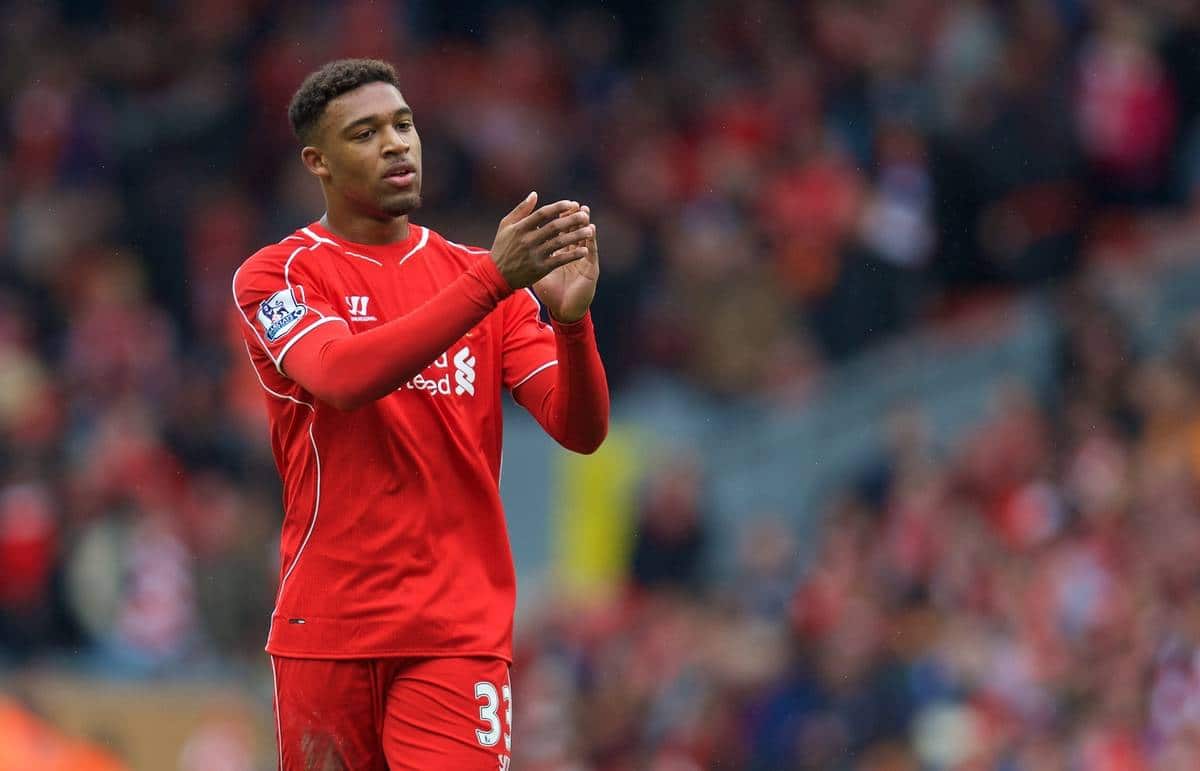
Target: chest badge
<point>464,372</point>
<point>357,305</point>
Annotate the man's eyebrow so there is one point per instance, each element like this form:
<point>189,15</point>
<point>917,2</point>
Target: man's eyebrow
<point>369,119</point>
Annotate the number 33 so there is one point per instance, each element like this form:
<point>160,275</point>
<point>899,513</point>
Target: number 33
<point>488,713</point>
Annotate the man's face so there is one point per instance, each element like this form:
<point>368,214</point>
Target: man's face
<point>372,151</point>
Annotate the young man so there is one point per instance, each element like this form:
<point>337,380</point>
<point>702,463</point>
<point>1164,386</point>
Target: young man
<point>383,349</point>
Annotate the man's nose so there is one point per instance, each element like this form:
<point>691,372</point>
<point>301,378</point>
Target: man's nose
<point>395,141</point>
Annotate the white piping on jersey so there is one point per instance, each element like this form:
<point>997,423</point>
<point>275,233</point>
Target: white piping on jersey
<point>249,323</point>
<point>364,257</point>
<point>308,232</point>
<point>287,266</point>
<point>317,502</point>
<point>420,245</point>
<point>538,304</point>
<point>278,727</point>
<point>266,349</point>
<point>296,338</point>
<point>469,249</point>
<point>521,382</point>
<point>321,240</point>
<point>317,241</point>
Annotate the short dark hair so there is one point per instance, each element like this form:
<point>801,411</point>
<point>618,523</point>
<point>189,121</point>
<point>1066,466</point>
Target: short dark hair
<point>328,83</point>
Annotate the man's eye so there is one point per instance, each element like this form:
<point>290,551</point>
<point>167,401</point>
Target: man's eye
<point>404,125</point>
<point>364,134</point>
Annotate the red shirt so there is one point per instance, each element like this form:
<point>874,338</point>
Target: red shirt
<point>394,541</point>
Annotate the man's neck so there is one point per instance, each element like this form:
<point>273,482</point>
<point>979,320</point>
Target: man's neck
<point>364,230</point>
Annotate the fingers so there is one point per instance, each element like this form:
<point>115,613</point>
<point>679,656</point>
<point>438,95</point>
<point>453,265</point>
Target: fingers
<point>588,211</point>
<point>554,234</point>
<point>568,238</point>
<point>562,225</point>
<point>547,213</point>
<point>522,210</point>
<point>585,209</point>
<point>539,240</point>
<point>566,255</point>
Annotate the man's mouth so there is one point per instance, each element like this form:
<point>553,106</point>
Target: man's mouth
<point>401,175</point>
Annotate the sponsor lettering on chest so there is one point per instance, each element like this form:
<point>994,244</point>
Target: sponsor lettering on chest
<point>451,373</point>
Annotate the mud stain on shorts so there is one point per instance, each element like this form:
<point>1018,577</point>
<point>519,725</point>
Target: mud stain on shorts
<point>321,752</point>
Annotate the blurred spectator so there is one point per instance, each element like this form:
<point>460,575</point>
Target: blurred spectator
<point>670,534</point>
<point>29,554</point>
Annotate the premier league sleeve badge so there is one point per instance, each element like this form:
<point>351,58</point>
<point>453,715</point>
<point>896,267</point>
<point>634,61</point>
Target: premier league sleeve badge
<point>279,314</point>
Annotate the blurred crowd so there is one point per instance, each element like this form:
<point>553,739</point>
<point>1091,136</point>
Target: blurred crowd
<point>1022,598</point>
<point>777,185</point>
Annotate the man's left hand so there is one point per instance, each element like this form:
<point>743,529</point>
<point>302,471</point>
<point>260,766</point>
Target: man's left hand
<point>567,291</point>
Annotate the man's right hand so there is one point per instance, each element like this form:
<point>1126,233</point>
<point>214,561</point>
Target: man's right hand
<point>530,244</point>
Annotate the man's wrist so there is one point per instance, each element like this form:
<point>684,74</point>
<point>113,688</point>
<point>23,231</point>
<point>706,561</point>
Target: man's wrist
<point>571,328</point>
<point>486,271</point>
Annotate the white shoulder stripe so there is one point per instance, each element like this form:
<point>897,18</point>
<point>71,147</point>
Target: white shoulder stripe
<point>287,266</point>
<point>364,257</point>
<point>420,245</point>
<point>468,249</point>
<point>318,239</point>
<point>249,323</point>
<point>287,280</point>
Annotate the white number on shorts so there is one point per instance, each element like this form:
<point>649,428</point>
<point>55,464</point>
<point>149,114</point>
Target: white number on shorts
<point>487,713</point>
<point>508,717</point>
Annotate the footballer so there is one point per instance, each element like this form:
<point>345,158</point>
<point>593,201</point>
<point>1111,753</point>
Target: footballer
<point>384,350</point>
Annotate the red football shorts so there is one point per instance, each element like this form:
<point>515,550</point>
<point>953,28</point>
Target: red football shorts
<point>393,714</point>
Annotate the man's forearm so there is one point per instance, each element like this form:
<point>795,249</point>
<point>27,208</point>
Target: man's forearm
<point>573,407</point>
<point>347,370</point>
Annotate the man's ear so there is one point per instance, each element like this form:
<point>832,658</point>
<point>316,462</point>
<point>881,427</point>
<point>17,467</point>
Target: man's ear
<point>314,160</point>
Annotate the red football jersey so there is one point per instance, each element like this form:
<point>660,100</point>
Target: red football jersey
<point>394,541</point>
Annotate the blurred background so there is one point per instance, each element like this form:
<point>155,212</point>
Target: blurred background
<point>899,308</point>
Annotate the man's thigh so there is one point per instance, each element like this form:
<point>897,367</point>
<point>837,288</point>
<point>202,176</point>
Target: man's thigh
<point>449,713</point>
<point>328,715</point>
